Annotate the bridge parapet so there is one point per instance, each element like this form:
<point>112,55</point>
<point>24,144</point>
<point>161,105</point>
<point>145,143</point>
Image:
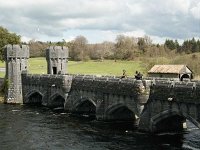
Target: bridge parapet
<point>176,91</point>
<point>107,84</point>
<point>106,94</point>
<point>47,86</point>
<point>170,104</point>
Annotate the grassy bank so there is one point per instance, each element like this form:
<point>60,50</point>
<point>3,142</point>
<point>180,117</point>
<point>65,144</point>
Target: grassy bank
<point>107,67</point>
<point>110,67</point>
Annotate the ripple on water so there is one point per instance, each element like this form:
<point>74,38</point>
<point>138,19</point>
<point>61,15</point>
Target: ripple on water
<point>23,127</point>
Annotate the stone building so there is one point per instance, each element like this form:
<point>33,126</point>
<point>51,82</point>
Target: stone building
<point>16,59</point>
<point>170,71</point>
<point>57,58</point>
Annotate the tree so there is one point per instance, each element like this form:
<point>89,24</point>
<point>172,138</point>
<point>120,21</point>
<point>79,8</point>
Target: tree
<point>144,43</point>
<point>7,38</point>
<point>37,48</point>
<point>141,44</point>
<point>79,49</point>
<point>100,51</point>
<point>124,47</point>
<point>170,44</point>
<point>194,45</point>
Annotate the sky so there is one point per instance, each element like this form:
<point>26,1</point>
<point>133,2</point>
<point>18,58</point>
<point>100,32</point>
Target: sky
<point>101,20</point>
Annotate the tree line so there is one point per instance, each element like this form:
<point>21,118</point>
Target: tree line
<point>188,46</point>
<point>124,47</point>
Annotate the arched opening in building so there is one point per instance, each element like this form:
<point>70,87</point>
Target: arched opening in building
<point>57,102</point>
<point>35,98</point>
<point>185,76</point>
<point>120,113</point>
<point>86,108</point>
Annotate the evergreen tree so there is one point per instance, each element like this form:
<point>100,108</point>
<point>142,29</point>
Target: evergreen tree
<point>170,44</point>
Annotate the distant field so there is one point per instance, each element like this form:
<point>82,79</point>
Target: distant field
<point>107,67</point>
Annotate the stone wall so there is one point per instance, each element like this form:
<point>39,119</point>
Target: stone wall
<point>170,104</point>
<point>108,94</point>
<point>16,58</point>
<point>56,57</point>
<point>48,86</point>
<point>178,91</point>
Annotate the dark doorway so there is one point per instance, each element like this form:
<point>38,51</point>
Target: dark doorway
<point>35,98</point>
<point>185,76</point>
<point>54,70</point>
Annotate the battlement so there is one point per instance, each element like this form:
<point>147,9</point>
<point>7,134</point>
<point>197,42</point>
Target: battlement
<point>57,52</point>
<point>37,78</point>
<point>110,84</point>
<point>103,78</point>
<point>175,91</point>
<point>16,51</point>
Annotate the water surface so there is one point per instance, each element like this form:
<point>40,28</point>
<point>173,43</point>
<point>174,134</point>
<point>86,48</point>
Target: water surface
<point>24,127</point>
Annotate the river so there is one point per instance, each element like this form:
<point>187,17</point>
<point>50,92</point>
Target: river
<point>39,128</point>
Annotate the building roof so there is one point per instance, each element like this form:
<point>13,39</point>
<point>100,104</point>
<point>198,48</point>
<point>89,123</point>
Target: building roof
<point>175,69</point>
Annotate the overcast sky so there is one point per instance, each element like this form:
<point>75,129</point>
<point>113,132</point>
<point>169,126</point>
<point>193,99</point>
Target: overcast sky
<point>101,20</point>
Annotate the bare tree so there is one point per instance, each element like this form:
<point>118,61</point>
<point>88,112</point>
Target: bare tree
<point>79,49</point>
<point>124,47</point>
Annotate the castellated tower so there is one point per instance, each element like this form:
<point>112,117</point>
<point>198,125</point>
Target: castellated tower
<point>16,58</point>
<point>57,58</point>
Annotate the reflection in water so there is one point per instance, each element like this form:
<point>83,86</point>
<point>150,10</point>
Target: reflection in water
<point>23,127</point>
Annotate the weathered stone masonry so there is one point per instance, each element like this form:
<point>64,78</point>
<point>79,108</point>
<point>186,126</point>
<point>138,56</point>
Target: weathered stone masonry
<point>57,58</point>
<point>47,90</point>
<point>16,58</point>
<point>170,104</point>
<point>109,98</point>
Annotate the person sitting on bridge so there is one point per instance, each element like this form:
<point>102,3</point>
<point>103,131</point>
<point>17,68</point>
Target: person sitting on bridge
<point>138,75</point>
<point>124,74</point>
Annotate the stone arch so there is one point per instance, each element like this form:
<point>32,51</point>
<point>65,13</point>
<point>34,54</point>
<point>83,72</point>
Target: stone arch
<point>56,100</point>
<point>120,112</point>
<point>85,106</point>
<point>170,120</point>
<point>34,97</point>
<point>185,76</point>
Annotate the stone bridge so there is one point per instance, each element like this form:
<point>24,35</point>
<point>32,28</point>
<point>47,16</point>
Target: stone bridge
<point>107,97</point>
<point>156,105</point>
<point>47,90</point>
<point>169,105</point>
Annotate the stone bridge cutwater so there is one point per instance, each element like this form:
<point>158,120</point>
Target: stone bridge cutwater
<point>155,105</point>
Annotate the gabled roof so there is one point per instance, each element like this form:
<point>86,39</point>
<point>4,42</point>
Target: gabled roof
<point>176,69</point>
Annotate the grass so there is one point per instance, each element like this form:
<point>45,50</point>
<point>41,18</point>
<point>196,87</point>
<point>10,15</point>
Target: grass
<point>110,67</point>
<point>107,67</point>
<point>37,65</point>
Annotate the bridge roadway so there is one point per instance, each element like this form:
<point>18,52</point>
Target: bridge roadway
<point>156,105</point>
